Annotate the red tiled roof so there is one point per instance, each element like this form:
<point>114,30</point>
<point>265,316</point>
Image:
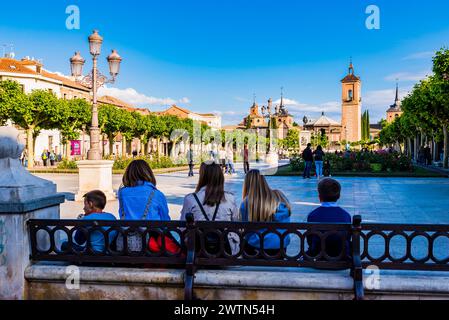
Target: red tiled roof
<point>350,78</point>
<point>114,101</point>
<point>16,66</point>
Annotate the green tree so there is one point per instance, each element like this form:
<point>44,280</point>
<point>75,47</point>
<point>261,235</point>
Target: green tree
<point>291,142</point>
<point>111,121</point>
<point>127,129</point>
<point>365,126</point>
<point>11,95</point>
<point>75,114</point>
<point>320,140</point>
<point>441,70</point>
<point>41,110</point>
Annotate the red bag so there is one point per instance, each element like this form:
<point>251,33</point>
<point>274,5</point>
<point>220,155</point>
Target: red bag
<point>171,246</point>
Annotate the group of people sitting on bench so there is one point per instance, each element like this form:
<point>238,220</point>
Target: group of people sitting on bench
<point>139,199</point>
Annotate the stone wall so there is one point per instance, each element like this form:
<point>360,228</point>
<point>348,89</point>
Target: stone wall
<point>49,282</point>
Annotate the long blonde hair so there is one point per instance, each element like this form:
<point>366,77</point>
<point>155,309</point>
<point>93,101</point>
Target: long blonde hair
<point>261,202</point>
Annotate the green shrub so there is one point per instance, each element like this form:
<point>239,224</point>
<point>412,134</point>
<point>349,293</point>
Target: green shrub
<point>297,163</point>
<point>162,162</point>
<point>67,164</point>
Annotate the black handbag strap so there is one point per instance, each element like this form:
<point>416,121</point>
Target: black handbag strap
<point>204,211</point>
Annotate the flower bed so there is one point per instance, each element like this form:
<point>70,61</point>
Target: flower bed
<point>362,162</point>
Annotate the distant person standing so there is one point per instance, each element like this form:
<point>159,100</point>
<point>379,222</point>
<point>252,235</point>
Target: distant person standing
<point>52,158</point>
<point>222,158</point>
<point>428,155</point>
<point>190,159</point>
<point>44,157</point>
<point>319,158</point>
<point>246,159</point>
<point>24,158</point>
<point>230,161</point>
<point>307,156</point>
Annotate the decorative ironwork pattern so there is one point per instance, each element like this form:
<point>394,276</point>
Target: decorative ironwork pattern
<point>88,80</point>
<point>194,244</point>
<point>405,247</point>
<point>200,244</point>
<point>54,240</point>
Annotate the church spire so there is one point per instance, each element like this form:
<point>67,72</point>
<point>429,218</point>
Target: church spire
<point>397,92</point>
<point>282,97</point>
<point>351,67</point>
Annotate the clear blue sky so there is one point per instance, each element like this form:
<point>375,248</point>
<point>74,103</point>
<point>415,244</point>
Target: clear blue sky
<point>213,55</point>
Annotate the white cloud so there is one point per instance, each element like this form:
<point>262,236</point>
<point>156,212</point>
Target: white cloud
<point>229,113</point>
<point>408,76</point>
<point>185,100</point>
<point>135,98</point>
<point>297,107</point>
<point>378,101</point>
<point>383,98</point>
<point>419,55</point>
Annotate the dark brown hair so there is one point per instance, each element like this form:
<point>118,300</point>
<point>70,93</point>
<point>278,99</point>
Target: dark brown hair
<point>97,198</point>
<point>329,190</point>
<point>211,177</point>
<point>138,170</point>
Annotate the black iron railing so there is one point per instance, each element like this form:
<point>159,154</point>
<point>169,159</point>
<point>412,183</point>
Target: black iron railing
<point>209,244</point>
<point>405,246</point>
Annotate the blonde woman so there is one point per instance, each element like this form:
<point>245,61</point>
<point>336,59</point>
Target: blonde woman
<point>261,204</point>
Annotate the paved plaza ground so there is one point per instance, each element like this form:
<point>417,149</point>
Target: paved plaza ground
<point>390,200</point>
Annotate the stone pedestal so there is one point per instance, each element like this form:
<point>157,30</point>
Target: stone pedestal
<point>95,175</point>
<point>22,197</point>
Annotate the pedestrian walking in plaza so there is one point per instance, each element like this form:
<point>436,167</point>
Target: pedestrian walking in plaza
<point>222,159</point>
<point>191,161</point>
<point>24,158</point>
<point>307,156</point>
<point>428,155</point>
<point>44,157</point>
<point>319,158</point>
<point>52,158</point>
<point>246,159</point>
<point>230,161</point>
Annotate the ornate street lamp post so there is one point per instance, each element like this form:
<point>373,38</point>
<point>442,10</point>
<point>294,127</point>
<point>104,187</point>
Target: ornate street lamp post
<point>94,81</point>
<point>272,156</point>
<point>95,173</point>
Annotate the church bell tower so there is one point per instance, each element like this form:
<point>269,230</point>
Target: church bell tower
<point>351,113</point>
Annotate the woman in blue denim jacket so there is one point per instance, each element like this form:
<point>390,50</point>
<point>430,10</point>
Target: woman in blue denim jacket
<point>139,199</point>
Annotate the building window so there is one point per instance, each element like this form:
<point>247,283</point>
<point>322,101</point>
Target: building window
<point>22,87</point>
<point>350,95</point>
<point>65,96</point>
